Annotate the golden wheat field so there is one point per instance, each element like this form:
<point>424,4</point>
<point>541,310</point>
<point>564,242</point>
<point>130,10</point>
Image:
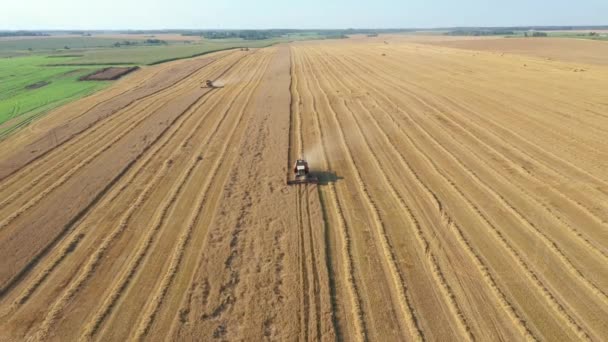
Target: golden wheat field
<point>463,196</point>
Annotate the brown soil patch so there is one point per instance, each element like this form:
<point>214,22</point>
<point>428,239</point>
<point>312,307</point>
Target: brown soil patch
<point>108,74</point>
<point>63,56</point>
<point>37,85</point>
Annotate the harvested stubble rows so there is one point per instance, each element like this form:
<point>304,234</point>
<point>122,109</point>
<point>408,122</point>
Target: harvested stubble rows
<point>462,197</point>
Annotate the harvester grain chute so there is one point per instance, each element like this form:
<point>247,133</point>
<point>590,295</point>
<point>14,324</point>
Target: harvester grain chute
<point>302,174</point>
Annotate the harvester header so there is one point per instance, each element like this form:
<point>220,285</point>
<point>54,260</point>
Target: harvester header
<point>301,173</point>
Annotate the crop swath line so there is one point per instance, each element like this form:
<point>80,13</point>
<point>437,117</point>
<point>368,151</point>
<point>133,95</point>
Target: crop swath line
<point>484,270</point>
<point>507,93</point>
<point>549,242</point>
<point>95,259</point>
<point>449,296</point>
<point>157,147</point>
<point>531,275</point>
<point>159,221</point>
<point>437,273</point>
<point>399,285</point>
<point>85,130</point>
<point>355,299</point>
<point>177,255</point>
<point>184,297</point>
<point>149,158</point>
<point>303,278</point>
<point>67,175</point>
<point>521,218</point>
<point>40,162</point>
<point>43,274</point>
<point>71,157</point>
<point>295,128</point>
<point>62,180</point>
<point>529,157</point>
<point>577,204</point>
<point>499,127</point>
<point>582,236</point>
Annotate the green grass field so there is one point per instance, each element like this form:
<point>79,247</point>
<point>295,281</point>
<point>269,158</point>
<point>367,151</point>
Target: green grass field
<point>577,35</point>
<point>37,46</point>
<point>56,70</point>
<point>564,34</point>
<point>28,89</point>
<point>143,55</point>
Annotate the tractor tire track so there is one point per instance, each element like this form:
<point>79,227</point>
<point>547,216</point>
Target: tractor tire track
<point>346,250</point>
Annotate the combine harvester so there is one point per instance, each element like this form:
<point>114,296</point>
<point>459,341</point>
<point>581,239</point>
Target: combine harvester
<point>302,174</point>
<point>210,84</point>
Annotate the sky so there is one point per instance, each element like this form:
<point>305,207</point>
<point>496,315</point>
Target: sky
<point>260,14</point>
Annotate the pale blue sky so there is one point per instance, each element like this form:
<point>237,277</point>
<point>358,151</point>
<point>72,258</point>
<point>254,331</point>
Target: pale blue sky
<point>222,14</point>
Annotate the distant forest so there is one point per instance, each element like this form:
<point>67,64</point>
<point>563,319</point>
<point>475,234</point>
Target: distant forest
<point>22,34</point>
<point>480,33</point>
<point>327,33</point>
<point>274,33</point>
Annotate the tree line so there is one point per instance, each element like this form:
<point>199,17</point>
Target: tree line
<point>23,34</point>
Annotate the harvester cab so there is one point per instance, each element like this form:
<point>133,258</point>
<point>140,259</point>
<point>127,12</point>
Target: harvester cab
<point>302,174</point>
